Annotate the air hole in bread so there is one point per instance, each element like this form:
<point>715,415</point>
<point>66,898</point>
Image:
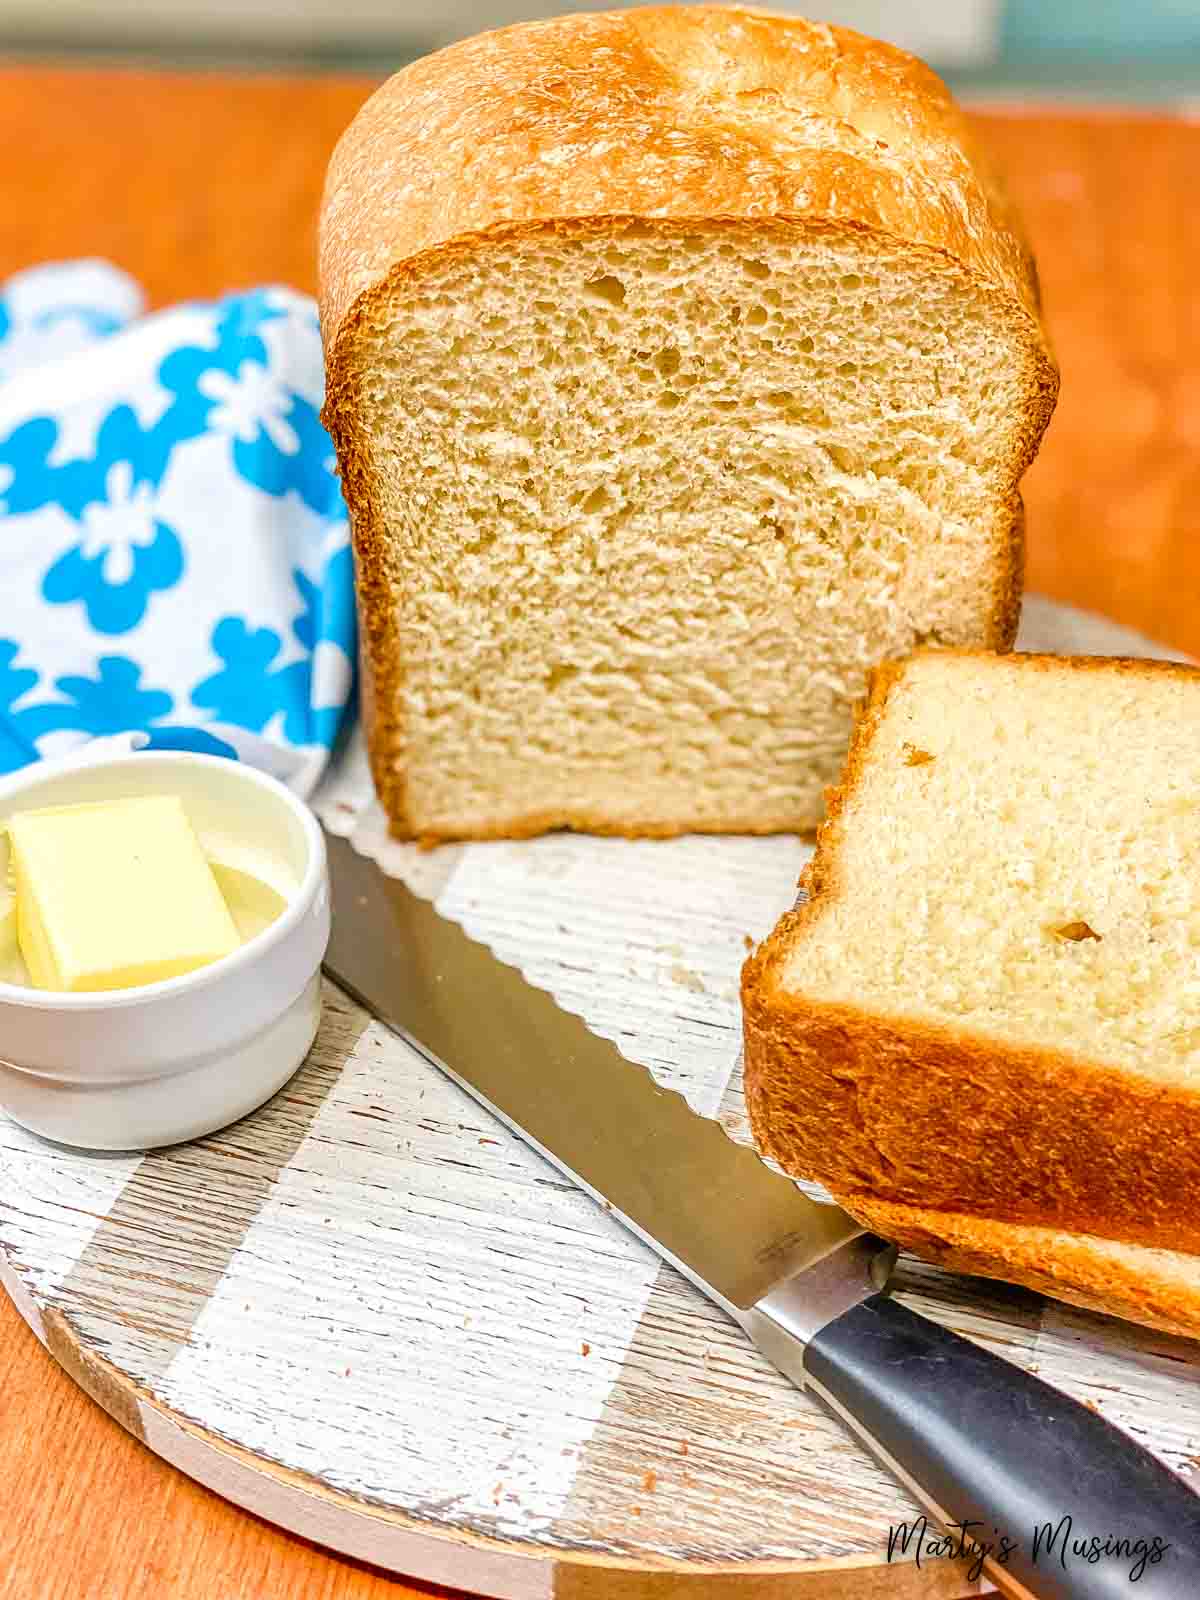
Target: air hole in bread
<point>599,500</point>
<point>608,288</point>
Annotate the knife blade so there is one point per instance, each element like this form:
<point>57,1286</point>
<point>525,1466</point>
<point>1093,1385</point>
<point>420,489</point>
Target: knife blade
<point>600,1118</point>
<point>975,1439</point>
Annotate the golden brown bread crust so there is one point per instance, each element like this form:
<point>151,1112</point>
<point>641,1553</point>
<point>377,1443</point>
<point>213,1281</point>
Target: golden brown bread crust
<point>690,113</point>
<point>1146,1286</point>
<point>680,118</point>
<point>900,1109</point>
<point>534,823</point>
<point>1010,580</point>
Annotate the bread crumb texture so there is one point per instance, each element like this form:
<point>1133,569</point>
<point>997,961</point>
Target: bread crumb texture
<point>991,1003</point>
<point>714,394</point>
<point>1039,881</point>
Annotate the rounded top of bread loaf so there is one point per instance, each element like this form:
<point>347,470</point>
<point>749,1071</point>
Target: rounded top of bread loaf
<point>710,114</point>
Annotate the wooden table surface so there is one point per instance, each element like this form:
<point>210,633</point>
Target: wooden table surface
<point>197,184</point>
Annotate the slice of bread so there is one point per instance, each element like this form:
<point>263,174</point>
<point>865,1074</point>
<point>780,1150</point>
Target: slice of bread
<point>1158,1288</point>
<point>991,1003</point>
<point>681,363</point>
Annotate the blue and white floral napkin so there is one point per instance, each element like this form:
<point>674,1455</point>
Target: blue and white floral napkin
<point>174,550</point>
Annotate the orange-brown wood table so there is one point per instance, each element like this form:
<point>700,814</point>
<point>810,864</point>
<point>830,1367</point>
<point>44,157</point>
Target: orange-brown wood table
<point>200,183</point>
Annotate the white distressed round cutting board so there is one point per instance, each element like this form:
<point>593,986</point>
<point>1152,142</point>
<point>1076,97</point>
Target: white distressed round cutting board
<point>369,1314</point>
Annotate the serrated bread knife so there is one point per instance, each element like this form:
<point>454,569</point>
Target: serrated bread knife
<point>975,1439</point>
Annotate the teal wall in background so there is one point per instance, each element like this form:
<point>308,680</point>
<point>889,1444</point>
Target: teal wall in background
<point>1143,52</point>
<point>1111,28</point>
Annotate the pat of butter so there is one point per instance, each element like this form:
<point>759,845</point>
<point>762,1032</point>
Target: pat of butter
<point>12,968</point>
<point>114,893</point>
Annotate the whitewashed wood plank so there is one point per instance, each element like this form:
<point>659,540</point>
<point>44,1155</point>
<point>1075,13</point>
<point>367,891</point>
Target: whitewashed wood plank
<point>766,1474</point>
<point>1143,1381</point>
<point>642,938</point>
<point>423,1312</point>
<point>21,1296</point>
<point>53,1201</point>
<point>182,1212</point>
<point>394,1544</point>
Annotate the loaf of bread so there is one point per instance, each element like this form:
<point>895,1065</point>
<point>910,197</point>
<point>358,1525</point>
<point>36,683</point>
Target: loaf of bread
<point>990,1005</point>
<point>682,363</point>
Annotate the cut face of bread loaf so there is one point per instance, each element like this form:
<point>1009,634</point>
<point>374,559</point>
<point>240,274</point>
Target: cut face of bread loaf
<point>991,1003</point>
<point>681,364</point>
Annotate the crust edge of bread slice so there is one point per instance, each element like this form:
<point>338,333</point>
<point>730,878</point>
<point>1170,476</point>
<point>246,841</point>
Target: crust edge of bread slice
<point>807,1061</point>
<point>1157,1288</point>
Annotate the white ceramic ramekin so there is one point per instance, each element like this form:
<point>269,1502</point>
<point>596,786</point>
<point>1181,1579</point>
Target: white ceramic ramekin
<point>129,1069</point>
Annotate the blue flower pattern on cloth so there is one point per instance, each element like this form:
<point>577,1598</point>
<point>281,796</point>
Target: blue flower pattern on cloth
<point>114,701</point>
<point>251,688</point>
<point>244,691</point>
<point>15,748</point>
<point>125,554</point>
<point>24,465</point>
<point>165,482</point>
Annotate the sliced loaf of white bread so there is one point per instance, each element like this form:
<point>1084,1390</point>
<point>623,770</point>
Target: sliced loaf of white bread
<point>990,1005</point>
<point>682,362</point>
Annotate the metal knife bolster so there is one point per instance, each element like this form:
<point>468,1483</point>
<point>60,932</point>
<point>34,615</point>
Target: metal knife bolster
<point>784,1321</point>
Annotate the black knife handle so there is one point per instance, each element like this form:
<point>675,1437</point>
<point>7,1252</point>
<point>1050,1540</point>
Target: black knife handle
<point>979,1440</point>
